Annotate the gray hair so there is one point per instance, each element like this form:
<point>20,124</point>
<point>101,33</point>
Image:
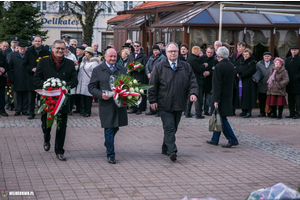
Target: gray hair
<point>58,42</point>
<point>173,44</point>
<point>216,42</point>
<point>223,52</point>
<point>74,40</point>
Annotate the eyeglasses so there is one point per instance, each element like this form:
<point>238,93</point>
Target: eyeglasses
<point>172,51</point>
<point>73,44</point>
<point>136,45</point>
<point>58,48</point>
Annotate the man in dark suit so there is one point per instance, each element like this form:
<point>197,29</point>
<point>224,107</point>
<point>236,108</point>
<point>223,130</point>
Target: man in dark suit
<point>139,56</point>
<point>222,96</point>
<point>56,66</point>
<point>3,70</point>
<point>184,49</point>
<point>32,56</point>
<point>17,76</point>
<point>111,116</point>
<point>173,83</point>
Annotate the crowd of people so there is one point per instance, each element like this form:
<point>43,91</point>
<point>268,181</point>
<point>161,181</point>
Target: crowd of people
<point>208,77</point>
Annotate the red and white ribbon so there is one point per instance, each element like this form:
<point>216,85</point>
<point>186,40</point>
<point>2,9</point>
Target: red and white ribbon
<point>123,92</point>
<point>136,66</point>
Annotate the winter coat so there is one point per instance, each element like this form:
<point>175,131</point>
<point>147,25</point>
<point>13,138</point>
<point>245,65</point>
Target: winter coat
<point>262,85</point>
<point>85,74</point>
<point>281,81</point>
<point>292,65</point>
<point>31,60</point>
<point>207,86</point>
<point>245,70</point>
<point>222,85</point>
<point>171,89</point>
<point>17,74</point>
<point>153,61</point>
<point>46,68</point>
<point>236,61</point>
<point>110,114</point>
<point>198,68</point>
<point>180,57</point>
<point>3,64</point>
<point>123,62</point>
<point>143,59</point>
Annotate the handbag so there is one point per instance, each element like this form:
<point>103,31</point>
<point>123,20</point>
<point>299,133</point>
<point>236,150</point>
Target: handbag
<point>257,76</point>
<point>215,122</point>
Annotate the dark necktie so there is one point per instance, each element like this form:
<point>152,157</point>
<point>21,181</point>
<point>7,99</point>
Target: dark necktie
<point>173,66</point>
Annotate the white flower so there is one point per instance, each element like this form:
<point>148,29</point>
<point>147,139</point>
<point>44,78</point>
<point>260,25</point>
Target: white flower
<point>57,80</point>
<point>64,82</point>
<point>136,97</point>
<point>131,89</point>
<point>129,97</point>
<point>130,83</point>
<point>141,91</point>
<point>53,84</point>
<point>59,84</point>
<point>47,84</point>
<point>136,89</point>
<point>63,88</point>
<point>7,93</point>
<point>134,81</point>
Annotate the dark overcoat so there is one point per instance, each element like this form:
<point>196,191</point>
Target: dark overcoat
<point>198,68</point>
<point>31,60</point>
<point>7,52</point>
<point>222,85</point>
<point>17,74</point>
<point>171,89</point>
<point>46,68</point>
<point>236,62</point>
<point>249,92</point>
<point>153,61</point>
<point>207,86</point>
<point>143,59</point>
<point>262,84</point>
<point>3,64</point>
<point>292,65</point>
<point>111,116</point>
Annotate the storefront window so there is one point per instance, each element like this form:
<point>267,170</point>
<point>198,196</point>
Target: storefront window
<point>171,35</point>
<point>258,41</point>
<point>178,36</point>
<point>164,36</point>
<point>106,39</point>
<point>199,37</point>
<point>283,41</point>
<point>75,35</point>
<point>157,35</point>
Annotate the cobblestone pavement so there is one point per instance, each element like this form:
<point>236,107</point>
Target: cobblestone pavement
<point>269,153</point>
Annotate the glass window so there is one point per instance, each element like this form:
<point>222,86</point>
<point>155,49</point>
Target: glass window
<point>44,5</point>
<point>106,39</point>
<point>130,4</point>
<point>109,7</point>
<point>125,3</point>
<point>284,39</point>
<point>75,35</point>
<point>61,5</point>
<point>198,37</point>
<point>104,6</point>
<point>254,18</point>
<point>203,18</point>
<point>227,17</point>
<point>38,4</point>
<point>164,36</point>
<point>178,36</point>
<point>171,35</point>
<point>283,19</point>
<point>157,35</point>
<point>226,36</point>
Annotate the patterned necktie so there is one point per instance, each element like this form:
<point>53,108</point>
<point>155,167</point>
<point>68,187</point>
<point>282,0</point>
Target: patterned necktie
<point>111,68</point>
<point>173,66</point>
<point>267,64</point>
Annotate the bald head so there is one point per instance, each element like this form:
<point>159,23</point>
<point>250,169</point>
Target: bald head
<point>111,56</point>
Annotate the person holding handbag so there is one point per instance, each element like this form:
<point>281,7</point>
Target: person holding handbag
<point>276,92</point>
<point>221,97</point>
<point>89,62</point>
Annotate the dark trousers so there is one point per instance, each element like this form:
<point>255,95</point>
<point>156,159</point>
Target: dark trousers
<point>60,133</point>
<point>21,101</point>
<point>262,98</point>
<point>206,101</point>
<point>199,103</point>
<point>227,131</point>
<point>76,98</point>
<point>294,104</point>
<point>143,105</point>
<point>109,135</point>
<point>233,100</point>
<point>170,120</point>
<point>2,99</point>
<point>86,104</point>
<point>31,102</point>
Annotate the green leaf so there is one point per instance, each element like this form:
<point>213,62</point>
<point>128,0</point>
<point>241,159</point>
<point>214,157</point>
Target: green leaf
<point>41,108</point>
<point>49,122</point>
<point>144,86</point>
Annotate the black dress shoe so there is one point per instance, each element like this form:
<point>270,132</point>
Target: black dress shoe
<point>138,112</point>
<point>10,109</point>
<point>76,111</point>
<point>296,117</point>
<point>173,156</point>
<point>200,117</point>
<point>229,145</point>
<point>150,113</point>
<point>189,116</point>
<point>165,153</point>
<point>157,115</point>
<point>211,142</point>
<point>31,116</point>
<point>47,146</point>
<point>247,115</point>
<point>132,111</point>
<point>86,115</point>
<point>17,114</point>
<point>243,114</point>
<point>289,116</point>
<point>111,160</point>
<point>25,113</point>
<point>207,113</point>
<point>261,115</point>
<point>61,157</point>
<point>4,114</point>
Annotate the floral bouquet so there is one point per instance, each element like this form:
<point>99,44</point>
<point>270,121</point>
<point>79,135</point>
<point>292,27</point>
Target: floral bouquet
<point>9,92</point>
<point>126,90</point>
<point>54,97</point>
<point>135,66</point>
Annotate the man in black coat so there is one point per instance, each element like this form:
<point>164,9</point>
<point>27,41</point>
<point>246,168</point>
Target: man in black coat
<point>198,69</point>
<point>139,56</point>
<point>111,116</point>
<point>17,77</point>
<point>292,65</point>
<point>3,70</point>
<point>173,83</point>
<point>222,96</point>
<point>184,49</point>
<point>13,44</point>
<point>32,56</point>
<point>56,66</point>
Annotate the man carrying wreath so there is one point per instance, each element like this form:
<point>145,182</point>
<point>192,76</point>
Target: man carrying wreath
<point>58,67</point>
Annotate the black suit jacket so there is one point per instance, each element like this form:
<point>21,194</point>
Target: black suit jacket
<point>7,51</point>
<point>197,67</point>
<point>182,58</point>
<point>143,59</point>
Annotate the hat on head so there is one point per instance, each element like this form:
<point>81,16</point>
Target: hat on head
<point>66,36</point>
<point>155,47</point>
<point>294,47</point>
<point>23,44</point>
<point>80,47</point>
<point>159,42</point>
<point>89,49</point>
<point>126,45</point>
<point>15,39</point>
<point>279,59</point>
<point>108,47</point>
<point>267,53</point>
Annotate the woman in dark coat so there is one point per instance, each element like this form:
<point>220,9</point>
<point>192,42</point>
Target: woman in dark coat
<point>276,92</point>
<point>247,87</point>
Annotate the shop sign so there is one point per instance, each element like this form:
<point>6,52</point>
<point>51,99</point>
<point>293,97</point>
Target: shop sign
<point>57,21</point>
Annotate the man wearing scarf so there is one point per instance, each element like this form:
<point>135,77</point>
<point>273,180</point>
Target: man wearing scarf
<point>32,56</point>
<point>56,66</point>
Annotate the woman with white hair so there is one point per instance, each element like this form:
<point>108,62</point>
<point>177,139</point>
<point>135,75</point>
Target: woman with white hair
<point>89,62</point>
<point>221,97</point>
